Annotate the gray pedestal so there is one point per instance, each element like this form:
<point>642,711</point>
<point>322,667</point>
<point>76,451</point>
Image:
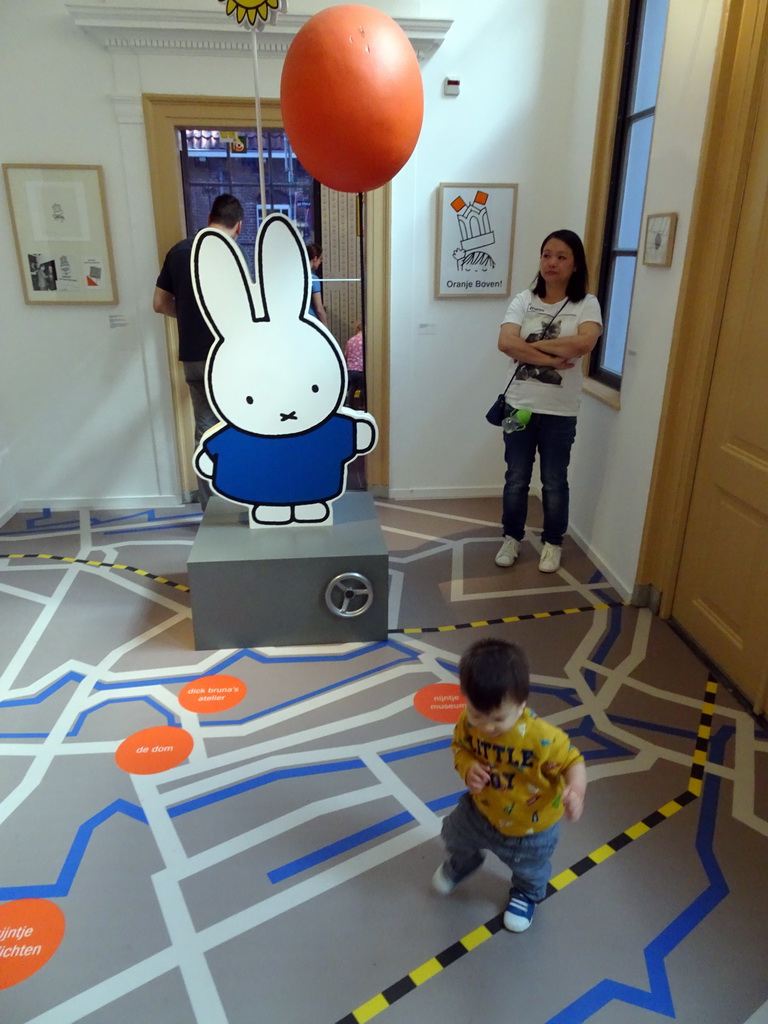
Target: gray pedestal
<point>267,587</point>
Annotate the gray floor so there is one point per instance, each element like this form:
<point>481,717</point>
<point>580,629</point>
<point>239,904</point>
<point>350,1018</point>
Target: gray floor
<point>281,872</point>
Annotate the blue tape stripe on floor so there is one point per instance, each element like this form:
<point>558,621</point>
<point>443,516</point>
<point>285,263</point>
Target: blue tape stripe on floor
<point>76,853</point>
<point>263,780</point>
<point>24,735</point>
<point>20,702</point>
<point>446,801</point>
<point>659,998</point>
<point>340,846</point>
<point>80,721</point>
<point>421,748</point>
<point>246,654</point>
<point>604,647</point>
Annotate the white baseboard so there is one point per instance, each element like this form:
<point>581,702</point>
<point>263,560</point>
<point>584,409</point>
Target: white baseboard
<point>130,501</point>
<point>439,493</point>
<point>624,589</point>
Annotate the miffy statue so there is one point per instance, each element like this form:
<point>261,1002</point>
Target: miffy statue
<point>277,378</point>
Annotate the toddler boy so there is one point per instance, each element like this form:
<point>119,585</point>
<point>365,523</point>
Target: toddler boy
<point>521,773</point>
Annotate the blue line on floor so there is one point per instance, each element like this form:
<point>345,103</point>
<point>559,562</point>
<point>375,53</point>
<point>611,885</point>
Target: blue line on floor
<point>263,659</point>
<point>359,838</point>
<point>421,748</point>
<point>275,776</point>
<point>659,998</point>
<point>446,801</point>
<point>668,730</point>
<point>74,858</point>
<point>332,850</point>
<point>24,735</point>
<point>169,716</point>
<point>303,697</point>
<point>43,523</point>
<point>18,702</point>
<point>608,746</point>
<point>604,647</point>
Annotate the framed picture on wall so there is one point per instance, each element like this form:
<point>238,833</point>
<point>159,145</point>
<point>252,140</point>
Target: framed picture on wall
<point>659,239</point>
<point>61,231</point>
<point>475,235</point>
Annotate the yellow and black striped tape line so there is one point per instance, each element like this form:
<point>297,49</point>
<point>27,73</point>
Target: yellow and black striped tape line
<point>512,618</point>
<point>107,565</point>
<point>428,970</point>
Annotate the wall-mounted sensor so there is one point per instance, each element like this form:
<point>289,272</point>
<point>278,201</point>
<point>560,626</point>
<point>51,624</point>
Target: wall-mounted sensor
<point>451,87</point>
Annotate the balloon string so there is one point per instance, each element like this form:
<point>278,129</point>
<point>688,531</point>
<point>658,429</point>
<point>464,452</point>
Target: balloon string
<point>258,124</point>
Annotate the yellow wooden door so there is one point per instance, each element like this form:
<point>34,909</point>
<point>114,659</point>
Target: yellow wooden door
<point>721,599</point>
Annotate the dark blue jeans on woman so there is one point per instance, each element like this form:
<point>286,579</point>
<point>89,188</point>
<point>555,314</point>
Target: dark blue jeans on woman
<point>553,437</point>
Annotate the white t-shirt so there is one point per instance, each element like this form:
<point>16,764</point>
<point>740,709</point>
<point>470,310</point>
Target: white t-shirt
<point>543,388</point>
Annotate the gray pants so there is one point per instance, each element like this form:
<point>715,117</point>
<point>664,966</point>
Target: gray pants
<point>205,417</point>
<point>467,834</point>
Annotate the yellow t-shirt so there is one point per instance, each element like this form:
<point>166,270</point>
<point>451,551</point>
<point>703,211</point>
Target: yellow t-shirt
<point>526,765</point>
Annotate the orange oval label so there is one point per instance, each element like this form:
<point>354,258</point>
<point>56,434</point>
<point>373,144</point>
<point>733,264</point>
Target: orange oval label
<point>30,933</point>
<point>442,702</point>
<point>154,750</point>
<point>212,693</point>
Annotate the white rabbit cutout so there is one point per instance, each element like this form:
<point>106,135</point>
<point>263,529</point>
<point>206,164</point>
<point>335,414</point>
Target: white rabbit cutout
<point>276,377</point>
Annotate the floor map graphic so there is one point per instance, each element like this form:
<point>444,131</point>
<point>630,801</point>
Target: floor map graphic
<point>244,836</point>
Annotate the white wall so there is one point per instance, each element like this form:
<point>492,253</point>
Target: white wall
<point>613,458</point>
<point>87,405</point>
<point>526,113</point>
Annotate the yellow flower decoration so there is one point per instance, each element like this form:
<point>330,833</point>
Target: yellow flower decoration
<point>253,8</point>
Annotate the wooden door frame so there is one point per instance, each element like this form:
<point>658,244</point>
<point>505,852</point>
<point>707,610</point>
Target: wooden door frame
<point>163,114</point>
<point>729,131</point>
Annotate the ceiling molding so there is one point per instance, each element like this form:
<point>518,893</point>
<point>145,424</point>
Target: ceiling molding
<point>159,30</point>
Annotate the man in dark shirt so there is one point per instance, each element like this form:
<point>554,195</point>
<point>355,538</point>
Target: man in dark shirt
<point>174,296</point>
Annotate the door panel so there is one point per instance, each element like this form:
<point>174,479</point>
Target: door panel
<point>721,598</point>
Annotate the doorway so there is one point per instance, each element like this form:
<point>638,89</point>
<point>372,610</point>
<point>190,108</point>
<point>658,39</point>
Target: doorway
<point>167,118</point>
<point>722,592</point>
<point>706,537</point>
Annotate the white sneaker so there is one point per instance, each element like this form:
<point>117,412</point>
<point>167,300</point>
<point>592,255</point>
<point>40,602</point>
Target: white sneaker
<point>508,552</point>
<point>443,883</point>
<point>550,558</point>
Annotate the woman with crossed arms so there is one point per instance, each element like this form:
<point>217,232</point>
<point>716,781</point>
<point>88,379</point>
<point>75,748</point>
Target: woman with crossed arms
<point>546,331</point>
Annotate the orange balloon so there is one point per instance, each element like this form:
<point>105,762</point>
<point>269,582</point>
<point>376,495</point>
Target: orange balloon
<point>351,97</point>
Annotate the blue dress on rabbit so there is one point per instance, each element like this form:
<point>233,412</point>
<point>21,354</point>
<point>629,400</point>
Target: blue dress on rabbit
<point>277,379</point>
<point>248,468</point>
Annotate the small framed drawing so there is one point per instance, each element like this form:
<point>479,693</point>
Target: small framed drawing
<point>659,239</point>
<point>61,230</point>
<point>475,234</point>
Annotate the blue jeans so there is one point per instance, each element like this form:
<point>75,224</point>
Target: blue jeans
<point>205,417</point>
<point>466,834</point>
<point>553,436</point>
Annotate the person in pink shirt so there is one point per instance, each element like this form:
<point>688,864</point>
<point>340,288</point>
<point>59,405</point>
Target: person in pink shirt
<point>353,353</point>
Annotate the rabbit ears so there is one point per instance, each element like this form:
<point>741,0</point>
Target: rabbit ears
<point>222,282</point>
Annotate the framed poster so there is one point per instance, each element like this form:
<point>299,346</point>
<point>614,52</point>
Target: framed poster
<point>659,239</point>
<point>475,234</point>
<point>61,230</point>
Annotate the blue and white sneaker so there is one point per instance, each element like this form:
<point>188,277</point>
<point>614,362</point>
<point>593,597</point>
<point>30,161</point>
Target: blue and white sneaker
<point>519,912</point>
<point>444,883</point>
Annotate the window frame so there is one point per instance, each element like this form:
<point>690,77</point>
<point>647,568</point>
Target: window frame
<point>623,40</point>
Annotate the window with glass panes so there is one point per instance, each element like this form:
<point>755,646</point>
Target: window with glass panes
<point>211,165</point>
<point>646,26</point>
